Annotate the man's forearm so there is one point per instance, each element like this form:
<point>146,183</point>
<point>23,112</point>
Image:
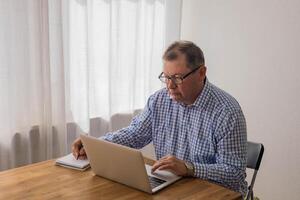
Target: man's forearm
<point>224,174</point>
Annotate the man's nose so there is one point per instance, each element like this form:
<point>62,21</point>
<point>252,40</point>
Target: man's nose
<point>171,84</point>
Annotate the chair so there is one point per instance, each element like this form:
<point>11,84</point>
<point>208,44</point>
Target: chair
<point>255,153</point>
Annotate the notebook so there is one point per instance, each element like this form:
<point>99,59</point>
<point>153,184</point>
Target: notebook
<point>70,161</point>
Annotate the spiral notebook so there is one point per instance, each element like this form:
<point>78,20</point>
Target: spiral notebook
<point>69,161</point>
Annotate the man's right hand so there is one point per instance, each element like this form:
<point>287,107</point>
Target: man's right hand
<point>78,150</point>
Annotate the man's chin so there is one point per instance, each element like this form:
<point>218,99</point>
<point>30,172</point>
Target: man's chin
<point>176,98</point>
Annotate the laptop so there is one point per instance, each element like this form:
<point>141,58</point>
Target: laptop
<point>124,165</point>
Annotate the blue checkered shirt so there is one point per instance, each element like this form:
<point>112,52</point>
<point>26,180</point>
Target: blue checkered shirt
<point>211,134</point>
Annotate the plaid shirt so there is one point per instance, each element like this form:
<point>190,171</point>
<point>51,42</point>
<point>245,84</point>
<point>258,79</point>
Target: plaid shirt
<point>211,134</point>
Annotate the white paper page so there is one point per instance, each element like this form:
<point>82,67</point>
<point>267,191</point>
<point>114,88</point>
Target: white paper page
<point>70,160</point>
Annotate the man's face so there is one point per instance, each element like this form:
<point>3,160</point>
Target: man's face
<point>191,86</point>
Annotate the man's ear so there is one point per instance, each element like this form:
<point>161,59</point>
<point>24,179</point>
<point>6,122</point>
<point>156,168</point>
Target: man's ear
<point>202,72</point>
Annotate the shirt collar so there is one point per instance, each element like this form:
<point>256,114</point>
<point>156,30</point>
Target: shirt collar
<point>203,96</point>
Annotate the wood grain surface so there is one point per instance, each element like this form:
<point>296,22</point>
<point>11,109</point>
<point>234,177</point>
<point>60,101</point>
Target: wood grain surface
<point>45,180</point>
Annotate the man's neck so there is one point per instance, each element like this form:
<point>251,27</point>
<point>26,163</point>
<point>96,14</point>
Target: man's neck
<point>197,94</point>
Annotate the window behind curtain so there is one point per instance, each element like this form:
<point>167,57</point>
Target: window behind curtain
<point>112,55</point>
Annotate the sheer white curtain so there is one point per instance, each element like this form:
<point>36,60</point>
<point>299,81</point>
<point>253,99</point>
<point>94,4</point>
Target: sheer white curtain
<point>112,56</point>
<point>32,108</point>
<point>73,60</point>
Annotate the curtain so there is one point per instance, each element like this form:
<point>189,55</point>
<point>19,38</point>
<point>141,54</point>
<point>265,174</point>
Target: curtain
<point>113,56</point>
<point>24,81</point>
<point>69,61</point>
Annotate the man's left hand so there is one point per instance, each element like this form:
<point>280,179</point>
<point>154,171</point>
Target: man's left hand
<point>171,163</point>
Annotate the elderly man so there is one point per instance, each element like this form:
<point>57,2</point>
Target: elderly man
<point>197,129</point>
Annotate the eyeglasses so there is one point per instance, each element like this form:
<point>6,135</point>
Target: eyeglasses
<point>176,79</point>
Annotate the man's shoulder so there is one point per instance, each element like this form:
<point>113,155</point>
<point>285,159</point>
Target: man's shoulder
<point>160,94</point>
<point>223,100</point>
<point>160,97</point>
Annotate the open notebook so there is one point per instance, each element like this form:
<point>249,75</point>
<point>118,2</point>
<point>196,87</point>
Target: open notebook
<point>70,162</point>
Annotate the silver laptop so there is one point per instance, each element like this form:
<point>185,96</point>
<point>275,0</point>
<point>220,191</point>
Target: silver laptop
<point>124,165</point>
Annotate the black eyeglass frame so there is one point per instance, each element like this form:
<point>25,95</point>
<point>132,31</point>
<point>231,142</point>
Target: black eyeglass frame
<point>175,78</point>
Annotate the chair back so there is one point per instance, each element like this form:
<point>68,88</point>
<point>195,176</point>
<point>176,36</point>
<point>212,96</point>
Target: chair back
<point>255,153</point>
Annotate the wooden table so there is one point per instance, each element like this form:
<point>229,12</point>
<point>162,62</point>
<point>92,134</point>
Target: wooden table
<point>44,180</point>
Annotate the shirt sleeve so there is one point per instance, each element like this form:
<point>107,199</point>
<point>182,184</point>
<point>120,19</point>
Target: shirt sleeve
<point>231,153</point>
<point>138,134</point>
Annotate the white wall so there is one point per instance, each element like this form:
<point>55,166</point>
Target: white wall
<point>252,50</point>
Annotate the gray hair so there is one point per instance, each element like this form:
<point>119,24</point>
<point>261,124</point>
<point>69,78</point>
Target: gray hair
<point>193,54</point>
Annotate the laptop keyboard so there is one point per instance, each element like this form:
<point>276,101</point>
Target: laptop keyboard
<point>154,182</point>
